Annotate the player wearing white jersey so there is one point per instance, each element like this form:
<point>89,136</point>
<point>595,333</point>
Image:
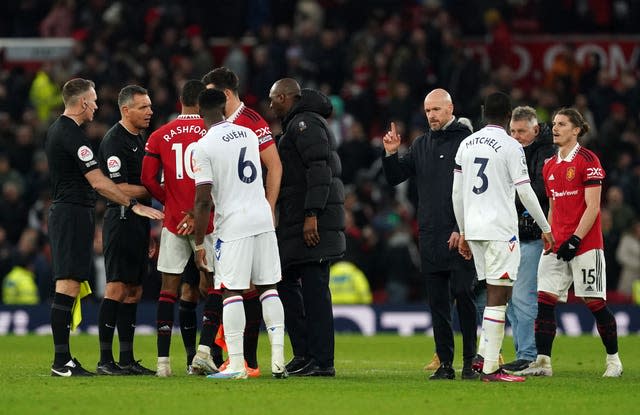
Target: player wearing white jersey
<point>228,174</point>
<point>490,168</point>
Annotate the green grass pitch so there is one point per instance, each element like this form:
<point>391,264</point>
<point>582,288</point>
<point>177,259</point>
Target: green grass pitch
<point>375,375</point>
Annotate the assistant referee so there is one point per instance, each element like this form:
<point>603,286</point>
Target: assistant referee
<point>75,178</point>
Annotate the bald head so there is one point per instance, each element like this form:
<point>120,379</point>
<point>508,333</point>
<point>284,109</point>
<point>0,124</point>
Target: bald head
<point>438,108</point>
<point>284,93</point>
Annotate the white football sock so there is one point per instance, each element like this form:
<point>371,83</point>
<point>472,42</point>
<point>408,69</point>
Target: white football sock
<point>482,341</point>
<point>493,328</point>
<point>273,315</point>
<point>234,321</point>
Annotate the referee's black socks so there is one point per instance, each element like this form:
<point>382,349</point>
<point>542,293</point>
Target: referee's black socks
<point>126,329</point>
<point>106,327</point>
<point>60,327</point>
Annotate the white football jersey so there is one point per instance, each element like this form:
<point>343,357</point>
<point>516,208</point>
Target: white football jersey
<point>228,158</point>
<point>492,163</point>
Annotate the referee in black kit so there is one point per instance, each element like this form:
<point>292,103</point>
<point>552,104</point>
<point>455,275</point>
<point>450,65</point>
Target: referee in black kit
<point>125,236</point>
<point>75,178</point>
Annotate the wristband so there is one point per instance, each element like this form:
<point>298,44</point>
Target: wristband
<point>199,247</point>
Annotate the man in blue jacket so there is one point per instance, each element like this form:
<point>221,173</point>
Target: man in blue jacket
<point>430,160</point>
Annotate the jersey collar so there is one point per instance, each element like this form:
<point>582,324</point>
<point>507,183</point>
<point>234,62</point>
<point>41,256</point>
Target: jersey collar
<point>232,118</point>
<point>570,156</point>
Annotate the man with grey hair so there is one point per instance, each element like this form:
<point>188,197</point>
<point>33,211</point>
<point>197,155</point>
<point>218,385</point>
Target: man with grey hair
<point>125,237</point>
<point>523,305</point>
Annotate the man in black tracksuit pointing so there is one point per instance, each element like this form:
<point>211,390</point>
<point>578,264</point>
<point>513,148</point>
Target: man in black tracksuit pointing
<point>430,159</point>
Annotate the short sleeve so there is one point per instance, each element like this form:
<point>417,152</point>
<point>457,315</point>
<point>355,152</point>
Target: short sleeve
<point>78,145</point>
<point>458,159</point>
<point>152,148</point>
<point>113,161</point>
<point>203,173</point>
<point>592,172</point>
<point>517,163</point>
<point>262,130</point>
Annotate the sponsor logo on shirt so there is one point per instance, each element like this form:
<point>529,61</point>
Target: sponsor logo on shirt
<point>85,153</point>
<point>551,177</point>
<point>595,173</point>
<point>571,173</point>
<point>262,132</point>
<point>113,164</point>
<point>512,245</point>
<point>563,193</point>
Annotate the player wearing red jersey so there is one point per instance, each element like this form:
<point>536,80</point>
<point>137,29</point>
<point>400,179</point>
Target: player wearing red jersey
<point>573,181</point>
<point>236,112</point>
<point>168,152</point>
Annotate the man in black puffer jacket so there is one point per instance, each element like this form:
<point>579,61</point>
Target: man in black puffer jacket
<point>310,224</point>
<point>430,160</point>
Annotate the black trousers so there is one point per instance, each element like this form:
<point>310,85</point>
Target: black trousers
<point>308,313</point>
<point>444,287</point>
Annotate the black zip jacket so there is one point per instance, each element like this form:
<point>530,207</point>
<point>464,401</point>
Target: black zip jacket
<point>431,159</point>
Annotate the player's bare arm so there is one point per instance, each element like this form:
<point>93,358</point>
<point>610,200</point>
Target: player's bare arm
<point>271,160</point>
<point>201,211</point>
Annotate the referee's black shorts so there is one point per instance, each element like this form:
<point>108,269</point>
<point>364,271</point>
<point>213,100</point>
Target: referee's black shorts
<point>71,229</point>
<point>126,246</point>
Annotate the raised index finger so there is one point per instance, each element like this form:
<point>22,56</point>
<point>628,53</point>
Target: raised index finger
<point>394,133</point>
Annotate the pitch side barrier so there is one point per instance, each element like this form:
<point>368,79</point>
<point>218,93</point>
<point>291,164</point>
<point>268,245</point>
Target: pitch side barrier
<point>573,319</point>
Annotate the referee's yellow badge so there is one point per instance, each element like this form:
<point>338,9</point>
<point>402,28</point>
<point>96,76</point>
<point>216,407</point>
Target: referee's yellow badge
<point>571,173</point>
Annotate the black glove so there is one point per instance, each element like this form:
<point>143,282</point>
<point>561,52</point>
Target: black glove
<point>569,248</point>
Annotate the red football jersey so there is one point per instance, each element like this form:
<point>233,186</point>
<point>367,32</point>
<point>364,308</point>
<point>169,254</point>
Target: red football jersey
<point>565,181</point>
<point>246,117</point>
<point>168,150</point>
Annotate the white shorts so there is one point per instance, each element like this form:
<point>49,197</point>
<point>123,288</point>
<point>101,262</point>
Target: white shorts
<point>586,271</point>
<point>496,262</point>
<point>248,260</point>
<point>175,251</point>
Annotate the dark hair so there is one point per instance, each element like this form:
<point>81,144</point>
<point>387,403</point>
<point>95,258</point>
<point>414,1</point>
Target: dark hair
<point>73,88</point>
<point>497,106</point>
<point>127,93</point>
<point>222,78</point>
<point>211,99</point>
<point>575,118</point>
<point>190,92</point>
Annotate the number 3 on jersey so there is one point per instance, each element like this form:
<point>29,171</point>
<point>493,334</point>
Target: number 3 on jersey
<point>246,164</point>
<point>485,180</point>
<point>183,160</point>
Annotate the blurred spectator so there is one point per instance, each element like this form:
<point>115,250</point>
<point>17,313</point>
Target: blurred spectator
<point>348,284</point>
<point>13,210</point>
<point>628,255</point>
<point>45,93</point>
<point>59,21</point>
<point>622,214</point>
<point>611,239</point>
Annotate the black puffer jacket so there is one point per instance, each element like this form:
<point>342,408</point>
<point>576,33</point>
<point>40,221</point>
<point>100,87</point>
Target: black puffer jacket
<point>431,159</point>
<point>310,181</point>
<point>536,153</point>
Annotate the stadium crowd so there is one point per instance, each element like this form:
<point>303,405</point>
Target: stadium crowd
<point>375,59</point>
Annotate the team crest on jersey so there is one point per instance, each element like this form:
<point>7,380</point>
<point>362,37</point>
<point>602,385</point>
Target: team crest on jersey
<point>85,153</point>
<point>302,126</point>
<point>571,173</point>
<point>113,164</point>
